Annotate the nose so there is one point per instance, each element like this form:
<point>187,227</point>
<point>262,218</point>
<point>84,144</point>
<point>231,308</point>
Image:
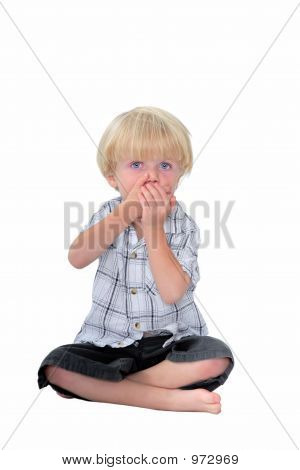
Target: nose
<point>153,175</point>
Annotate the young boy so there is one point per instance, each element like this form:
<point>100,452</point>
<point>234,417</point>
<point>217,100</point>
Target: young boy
<point>144,342</point>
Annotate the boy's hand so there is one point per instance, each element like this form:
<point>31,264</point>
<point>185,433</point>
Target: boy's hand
<point>132,202</point>
<point>156,205</point>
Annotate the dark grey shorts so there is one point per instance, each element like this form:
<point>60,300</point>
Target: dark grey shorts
<point>116,363</point>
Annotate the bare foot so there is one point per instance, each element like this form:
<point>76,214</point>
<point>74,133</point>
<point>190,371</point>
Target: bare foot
<point>62,395</point>
<point>199,399</point>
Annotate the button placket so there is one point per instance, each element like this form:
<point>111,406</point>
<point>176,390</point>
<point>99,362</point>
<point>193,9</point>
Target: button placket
<point>133,290</point>
<point>137,326</point>
<point>133,255</point>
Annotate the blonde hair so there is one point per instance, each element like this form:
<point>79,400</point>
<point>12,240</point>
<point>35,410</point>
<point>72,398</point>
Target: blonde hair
<point>143,131</point>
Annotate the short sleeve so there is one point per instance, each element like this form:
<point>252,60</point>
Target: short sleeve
<point>187,255</point>
<point>101,213</point>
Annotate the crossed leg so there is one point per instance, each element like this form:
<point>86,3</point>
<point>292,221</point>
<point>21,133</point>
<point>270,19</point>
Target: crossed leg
<point>169,374</point>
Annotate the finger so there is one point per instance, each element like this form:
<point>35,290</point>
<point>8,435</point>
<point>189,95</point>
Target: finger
<point>166,198</point>
<point>142,198</point>
<point>161,190</point>
<point>147,193</point>
<point>153,190</point>
<point>172,202</point>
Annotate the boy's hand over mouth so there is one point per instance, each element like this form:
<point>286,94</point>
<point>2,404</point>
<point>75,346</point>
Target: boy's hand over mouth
<point>156,204</point>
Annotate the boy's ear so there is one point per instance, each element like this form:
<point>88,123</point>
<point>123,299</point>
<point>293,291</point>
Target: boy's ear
<point>112,181</point>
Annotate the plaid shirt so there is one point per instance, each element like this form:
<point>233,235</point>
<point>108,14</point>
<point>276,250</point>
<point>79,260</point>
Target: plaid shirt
<point>125,300</point>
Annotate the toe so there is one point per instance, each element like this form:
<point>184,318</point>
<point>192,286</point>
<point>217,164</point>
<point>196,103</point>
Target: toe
<point>217,397</point>
<point>215,408</point>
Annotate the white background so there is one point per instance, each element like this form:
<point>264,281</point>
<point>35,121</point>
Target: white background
<point>191,58</point>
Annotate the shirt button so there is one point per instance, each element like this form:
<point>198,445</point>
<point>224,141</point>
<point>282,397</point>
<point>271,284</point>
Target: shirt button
<point>133,290</point>
<point>137,325</point>
<point>120,343</point>
<point>133,255</point>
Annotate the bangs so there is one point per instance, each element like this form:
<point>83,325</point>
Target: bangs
<point>145,137</point>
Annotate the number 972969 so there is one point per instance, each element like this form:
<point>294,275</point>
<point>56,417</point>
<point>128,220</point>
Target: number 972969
<point>214,459</point>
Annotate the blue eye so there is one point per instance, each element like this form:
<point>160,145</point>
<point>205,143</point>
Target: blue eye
<point>166,164</point>
<point>135,163</point>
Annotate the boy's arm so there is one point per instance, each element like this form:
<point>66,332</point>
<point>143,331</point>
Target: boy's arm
<point>171,280</point>
<point>91,243</point>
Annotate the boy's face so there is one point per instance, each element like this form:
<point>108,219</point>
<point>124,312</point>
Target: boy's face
<point>167,172</point>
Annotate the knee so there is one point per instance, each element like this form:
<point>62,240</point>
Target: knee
<point>221,364</point>
<point>54,374</point>
<point>217,366</point>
